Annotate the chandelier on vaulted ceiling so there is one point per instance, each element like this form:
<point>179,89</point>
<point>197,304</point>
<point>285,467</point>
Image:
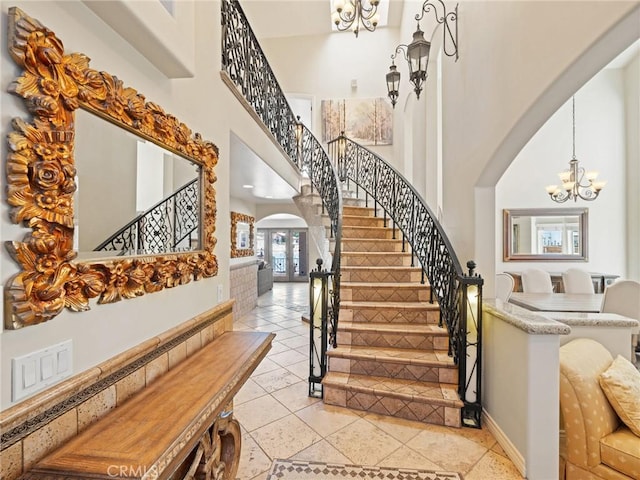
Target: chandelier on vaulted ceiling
<point>355,14</point>
<point>572,179</point>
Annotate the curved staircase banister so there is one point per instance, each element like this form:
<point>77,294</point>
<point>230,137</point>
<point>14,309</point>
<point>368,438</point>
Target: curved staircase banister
<point>247,72</point>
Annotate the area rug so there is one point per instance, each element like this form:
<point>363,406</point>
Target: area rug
<point>302,470</point>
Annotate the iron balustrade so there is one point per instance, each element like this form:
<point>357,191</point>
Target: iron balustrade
<point>252,80</point>
<point>166,227</point>
<point>459,296</point>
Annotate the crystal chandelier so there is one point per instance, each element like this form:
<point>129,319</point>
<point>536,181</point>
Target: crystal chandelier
<point>572,178</point>
<point>354,14</point>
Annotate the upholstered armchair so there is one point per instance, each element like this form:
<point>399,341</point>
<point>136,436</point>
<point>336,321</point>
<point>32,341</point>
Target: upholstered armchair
<point>599,445</point>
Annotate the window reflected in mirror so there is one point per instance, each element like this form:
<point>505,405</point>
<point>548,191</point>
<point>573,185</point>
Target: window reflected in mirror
<point>545,234</point>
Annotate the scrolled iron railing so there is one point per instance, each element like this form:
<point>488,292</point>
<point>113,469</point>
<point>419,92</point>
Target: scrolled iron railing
<point>459,296</point>
<point>166,227</point>
<point>250,77</point>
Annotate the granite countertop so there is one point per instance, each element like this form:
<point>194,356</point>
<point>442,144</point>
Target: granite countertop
<point>591,319</point>
<point>552,323</point>
<point>526,320</point>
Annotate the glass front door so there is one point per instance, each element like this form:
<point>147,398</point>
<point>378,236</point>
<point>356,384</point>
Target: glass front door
<point>287,252</point>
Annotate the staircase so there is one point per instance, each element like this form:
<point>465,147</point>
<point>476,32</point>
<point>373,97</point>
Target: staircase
<point>392,356</point>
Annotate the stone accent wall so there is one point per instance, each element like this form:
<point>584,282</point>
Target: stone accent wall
<point>243,285</point>
<point>40,424</point>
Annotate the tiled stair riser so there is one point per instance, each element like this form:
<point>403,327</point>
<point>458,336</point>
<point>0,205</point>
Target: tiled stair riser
<point>367,232</point>
<point>400,275</point>
<point>419,373</point>
<point>349,221</point>
<point>374,339</point>
<point>373,293</point>
<point>386,259</point>
<point>390,315</point>
<point>372,245</point>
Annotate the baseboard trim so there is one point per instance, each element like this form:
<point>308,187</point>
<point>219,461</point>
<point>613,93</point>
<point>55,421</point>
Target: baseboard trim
<point>508,447</point>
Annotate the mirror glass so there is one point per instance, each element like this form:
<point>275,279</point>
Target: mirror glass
<point>545,234</point>
<point>152,194</point>
<point>242,235</point>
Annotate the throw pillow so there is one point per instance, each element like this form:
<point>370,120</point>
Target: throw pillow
<point>621,384</point>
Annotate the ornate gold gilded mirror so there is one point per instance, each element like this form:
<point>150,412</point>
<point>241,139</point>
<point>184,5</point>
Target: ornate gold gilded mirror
<point>241,235</point>
<point>545,234</point>
<point>41,182</point>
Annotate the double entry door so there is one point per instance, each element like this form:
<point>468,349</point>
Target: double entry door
<point>287,250</point>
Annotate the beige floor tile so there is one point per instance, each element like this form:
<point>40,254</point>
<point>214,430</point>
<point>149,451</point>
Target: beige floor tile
<point>258,412</point>
<point>399,428</point>
<point>322,451</point>
<point>296,342</point>
<point>405,457</point>
<point>285,334</point>
<point>300,369</point>
<point>327,419</point>
<point>266,365</point>
<point>445,448</point>
<point>495,467</point>
<point>285,437</point>
<point>291,323</point>
<point>363,443</point>
<point>276,379</point>
<point>288,358</point>
<point>276,348</point>
<point>253,461</point>
<point>295,397</point>
<point>249,391</point>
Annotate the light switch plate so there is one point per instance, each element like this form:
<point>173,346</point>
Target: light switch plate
<point>40,369</point>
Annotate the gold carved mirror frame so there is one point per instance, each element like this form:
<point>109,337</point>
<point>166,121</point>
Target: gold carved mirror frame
<point>40,182</point>
<point>236,251</point>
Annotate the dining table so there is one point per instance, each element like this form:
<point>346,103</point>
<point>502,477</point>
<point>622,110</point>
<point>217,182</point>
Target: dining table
<point>558,302</point>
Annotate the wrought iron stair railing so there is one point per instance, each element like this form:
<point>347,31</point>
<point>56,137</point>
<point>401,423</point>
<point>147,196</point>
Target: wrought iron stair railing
<point>459,296</point>
<point>250,77</point>
<point>168,226</point>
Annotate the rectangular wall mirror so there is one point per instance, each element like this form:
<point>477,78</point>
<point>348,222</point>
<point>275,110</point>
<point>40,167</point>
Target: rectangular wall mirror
<point>241,235</point>
<point>544,234</point>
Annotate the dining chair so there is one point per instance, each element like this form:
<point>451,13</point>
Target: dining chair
<point>504,286</point>
<point>535,280</point>
<point>623,297</point>
<point>576,280</point>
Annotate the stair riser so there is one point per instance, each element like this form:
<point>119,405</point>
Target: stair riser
<point>395,340</point>
<point>392,259</point>
<point>375,245</point>
<point>359,211</point>
<point>375,275</point>
<point>362,222</point>
<point>384,294</point>
<point>390,315</point>
<point>376,403</point>
<point>421,373</point>
<point>349,233</point>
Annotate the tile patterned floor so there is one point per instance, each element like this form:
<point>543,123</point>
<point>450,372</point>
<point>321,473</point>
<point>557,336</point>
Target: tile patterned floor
<point>279,420</point>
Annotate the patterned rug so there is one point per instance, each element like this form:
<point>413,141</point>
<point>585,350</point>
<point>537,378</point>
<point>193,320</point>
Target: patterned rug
<point>301,470</point>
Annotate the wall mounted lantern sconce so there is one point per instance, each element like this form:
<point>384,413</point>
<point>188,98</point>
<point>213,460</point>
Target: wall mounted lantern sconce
<point>318,321</point>
<point>417,52</point>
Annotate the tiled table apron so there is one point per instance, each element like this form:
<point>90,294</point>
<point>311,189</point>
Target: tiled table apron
<point>522,376</point>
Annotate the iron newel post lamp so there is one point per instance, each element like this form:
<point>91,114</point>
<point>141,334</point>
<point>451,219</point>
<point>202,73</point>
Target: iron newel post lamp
<point>318,319</point>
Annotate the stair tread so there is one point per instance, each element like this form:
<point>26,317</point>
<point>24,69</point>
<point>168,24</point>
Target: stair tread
<point>411,356</point>
<point>404,305</point>
<point>412,390</point>
<point>405,328</point>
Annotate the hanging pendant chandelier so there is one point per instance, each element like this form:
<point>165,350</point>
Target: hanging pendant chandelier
<point>576,181</point>
<point>355,14</point>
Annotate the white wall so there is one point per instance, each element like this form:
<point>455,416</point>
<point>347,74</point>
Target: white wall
<point>600,146</point>
<point>632,102</point>
<point>206,105</point>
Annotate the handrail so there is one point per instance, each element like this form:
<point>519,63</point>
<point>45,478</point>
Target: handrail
<point>248,71</point>
<point>162,227</point>
<point>429,244</point>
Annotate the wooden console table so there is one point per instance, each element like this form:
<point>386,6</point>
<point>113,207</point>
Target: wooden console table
<point>180,426</point>
<point>600,281</point>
